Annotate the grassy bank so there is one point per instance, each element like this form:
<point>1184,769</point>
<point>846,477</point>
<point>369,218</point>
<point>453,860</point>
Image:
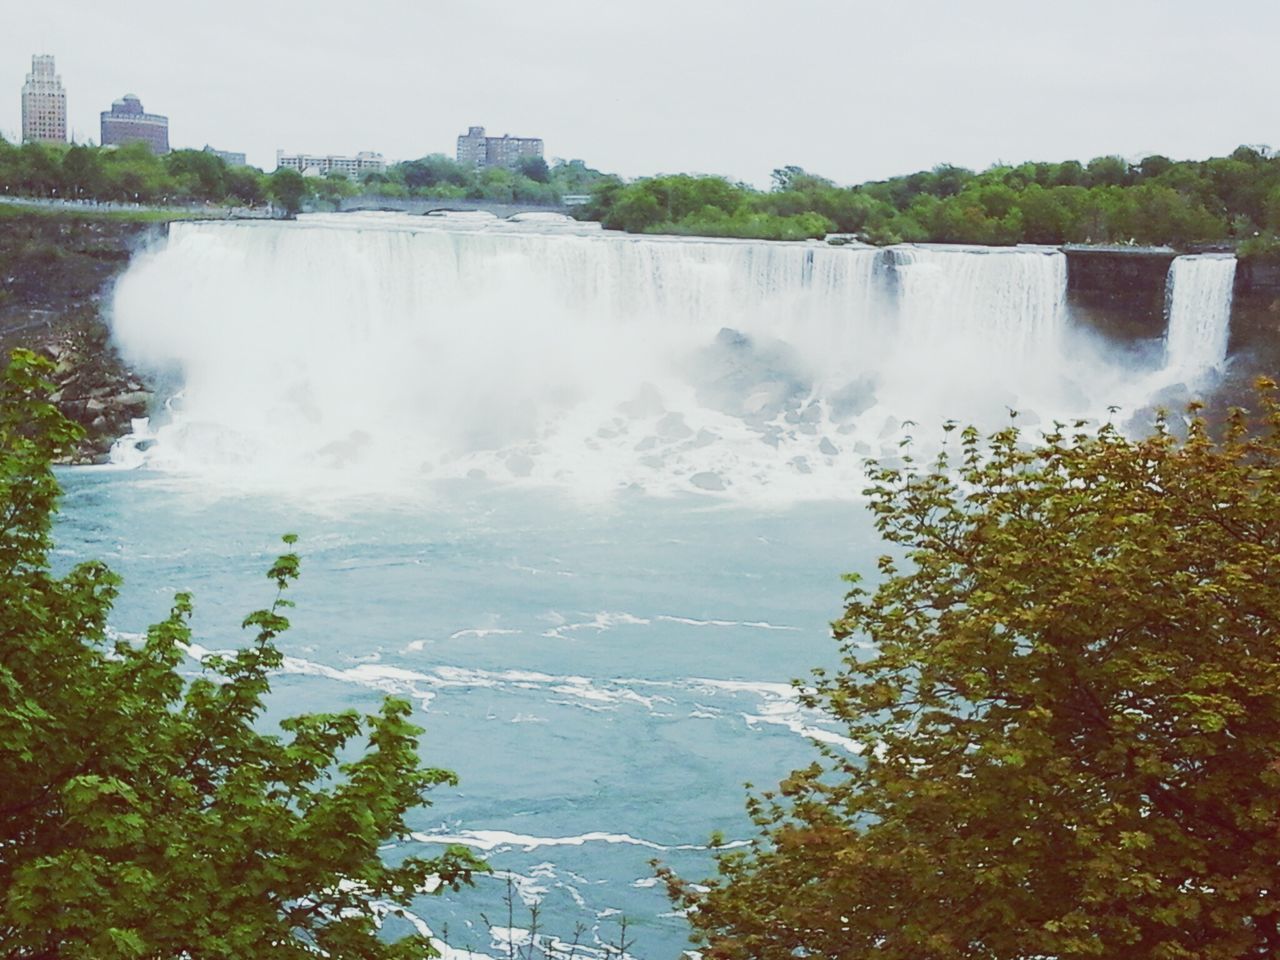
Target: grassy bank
<point>17,210</point>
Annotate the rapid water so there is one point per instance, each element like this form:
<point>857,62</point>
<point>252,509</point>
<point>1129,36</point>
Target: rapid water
<point>585,499</point>
<point>1199,307</point>
<point>603,678</point>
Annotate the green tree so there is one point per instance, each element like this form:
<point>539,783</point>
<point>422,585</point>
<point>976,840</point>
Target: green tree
<point>245,184</point>
<point>535,168</point>
<point>82,174</point>
<point>1153,166</point>
<point>135,174</point>
<point>1107,172</point>
<point>39,170</point>
<point>496,183</point>
<point>1044,216</point>
<point>792,177</point>
<point>1070,173</point>
<point>288,187</point>
<point>1152,213</point>
<point>333,186</point>
<point>950,180</point>
<point>143,815</point>
<point>432,170</point>
<point>1065,694</point>
<point>201,172</point>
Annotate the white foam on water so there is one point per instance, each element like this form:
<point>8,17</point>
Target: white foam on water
<point>481,632</point>
<point>781,706</point>
<point>489,840</point>
<point>754,624</point>
<point>530,890</point>
<point>445,951</point>
<point>778,703</point>
<point>380,354</point>
<point>519,942</point>
<point>599,622</point>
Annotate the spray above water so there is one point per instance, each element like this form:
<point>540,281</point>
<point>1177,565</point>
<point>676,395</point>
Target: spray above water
<point>383,353</point>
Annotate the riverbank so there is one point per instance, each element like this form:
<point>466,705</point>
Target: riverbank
<point>56,271</point>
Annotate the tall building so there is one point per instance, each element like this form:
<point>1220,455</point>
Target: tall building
<point>126,122</point>
<point>476,150</point>
<point>471,148</point>
<point>355,167</point>
<point>44,103</point>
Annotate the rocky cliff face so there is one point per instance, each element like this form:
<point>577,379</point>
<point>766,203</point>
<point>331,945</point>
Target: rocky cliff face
<point>55,272</point>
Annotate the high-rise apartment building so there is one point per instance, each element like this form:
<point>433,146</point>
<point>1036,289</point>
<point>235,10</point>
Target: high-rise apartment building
<point>44,103</point>
<point>471,148</point>
<point>476,150</point>
<point>126,122</point>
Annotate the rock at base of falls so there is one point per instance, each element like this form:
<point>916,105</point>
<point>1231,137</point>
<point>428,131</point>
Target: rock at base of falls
<point>707,480</point>
<point>520,465</point>
<point>647,402</point>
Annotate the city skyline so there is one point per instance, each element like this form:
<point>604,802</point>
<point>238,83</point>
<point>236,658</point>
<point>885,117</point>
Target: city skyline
<point>851,91</point>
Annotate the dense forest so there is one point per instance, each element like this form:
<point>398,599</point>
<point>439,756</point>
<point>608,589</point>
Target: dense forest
<point>1108,200</point>
<point>1157,200</point>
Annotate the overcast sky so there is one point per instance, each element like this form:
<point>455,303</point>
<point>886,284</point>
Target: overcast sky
<point>850,89</point>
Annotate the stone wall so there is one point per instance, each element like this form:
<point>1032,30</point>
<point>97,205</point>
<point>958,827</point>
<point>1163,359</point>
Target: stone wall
<point>1255,309</point>
<point>1120,291</point>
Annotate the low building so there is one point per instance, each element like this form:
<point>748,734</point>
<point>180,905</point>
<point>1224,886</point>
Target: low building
<point>44,103</point>
<point>230,158</point>
<point>316,166</point>
<point>477,151</point>
<point>127,122</point>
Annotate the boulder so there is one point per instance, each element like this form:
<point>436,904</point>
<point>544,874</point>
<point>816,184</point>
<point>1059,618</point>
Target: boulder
<point>707,480</point>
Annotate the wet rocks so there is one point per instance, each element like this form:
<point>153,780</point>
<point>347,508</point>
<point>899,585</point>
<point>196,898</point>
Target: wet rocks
<point>707,480</point>
<point>757,381</point>
<point>93,389</point>
<point>55,271</point>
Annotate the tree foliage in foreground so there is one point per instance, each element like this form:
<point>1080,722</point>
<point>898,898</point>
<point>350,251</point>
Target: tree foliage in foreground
<point>144,815</point>
<point>1067,693</point>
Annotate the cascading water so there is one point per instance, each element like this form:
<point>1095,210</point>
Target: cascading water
<point>981,330</point>
<point>374,352</point>
<point>1017,299</point>
<point>1199,296</point>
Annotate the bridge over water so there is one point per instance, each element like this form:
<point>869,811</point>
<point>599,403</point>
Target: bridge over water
<point>421,206</point>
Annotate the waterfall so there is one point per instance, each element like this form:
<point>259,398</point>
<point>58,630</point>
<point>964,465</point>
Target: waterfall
<point>392,351</point>
<point>1198,296</point>
<point>1012,301</point>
